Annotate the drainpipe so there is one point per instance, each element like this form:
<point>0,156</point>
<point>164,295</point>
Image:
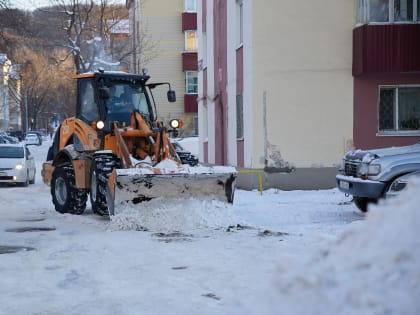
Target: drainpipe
<point>264,101</point>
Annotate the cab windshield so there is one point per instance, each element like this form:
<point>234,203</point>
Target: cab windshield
<point>123,99</point>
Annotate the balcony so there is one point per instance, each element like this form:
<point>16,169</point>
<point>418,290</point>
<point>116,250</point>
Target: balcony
<point>386,48</point>
<point>189,21</point>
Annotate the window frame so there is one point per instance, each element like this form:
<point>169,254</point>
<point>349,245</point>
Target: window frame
<point>396,131</point>
<point>195,42</point>
<point>362,8</point>
<point>82,110</point>
<point>190,3</point>
<point>239,117</point>
<point>239,23</point>
<point>187,77</point>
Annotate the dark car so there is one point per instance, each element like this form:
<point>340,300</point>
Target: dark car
<point>17,134</point>
<point>4,138</point>
<point>186,156</point>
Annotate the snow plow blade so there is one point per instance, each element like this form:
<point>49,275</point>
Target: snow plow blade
<point>134,186</point>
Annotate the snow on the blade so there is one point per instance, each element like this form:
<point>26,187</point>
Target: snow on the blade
<point>161,215</point>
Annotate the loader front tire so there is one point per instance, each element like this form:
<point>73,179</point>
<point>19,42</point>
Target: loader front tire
<point>65,196</point>
<point>101,169</point>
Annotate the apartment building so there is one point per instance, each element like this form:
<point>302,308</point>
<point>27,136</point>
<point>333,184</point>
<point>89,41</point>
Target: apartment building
<point>386,71</point>
<point>168,37</point>
<point>275,85</point>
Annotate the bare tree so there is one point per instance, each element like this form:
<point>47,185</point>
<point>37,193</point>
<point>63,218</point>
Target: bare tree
<point>4,4</point>
<point>87,30</point>
<point>43,84</point>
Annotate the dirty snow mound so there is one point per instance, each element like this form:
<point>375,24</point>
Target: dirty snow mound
<point>374,264</point>
<point>174,215</point>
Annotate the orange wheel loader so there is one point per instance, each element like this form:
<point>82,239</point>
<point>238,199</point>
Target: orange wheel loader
<point>116,151</point>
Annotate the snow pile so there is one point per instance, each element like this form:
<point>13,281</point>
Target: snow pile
<point>169,166</point>
<point>161,215</point>
<point>374,268</point>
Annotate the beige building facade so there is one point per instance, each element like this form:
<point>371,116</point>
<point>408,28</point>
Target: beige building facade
<point>287,79</point>
<point>162,34</point>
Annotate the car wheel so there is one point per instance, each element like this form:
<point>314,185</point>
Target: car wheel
<point>32,181</point>
<point>363,202</point>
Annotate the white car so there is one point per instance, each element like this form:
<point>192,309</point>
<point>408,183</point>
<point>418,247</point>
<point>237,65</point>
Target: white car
<point>32,138</point>
<point>17,165</point>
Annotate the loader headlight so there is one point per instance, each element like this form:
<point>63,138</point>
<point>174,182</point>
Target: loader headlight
<point>100,125</point>
<point>174,123</point>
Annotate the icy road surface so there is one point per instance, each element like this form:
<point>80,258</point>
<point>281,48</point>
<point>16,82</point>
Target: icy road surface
<point>191,257</point>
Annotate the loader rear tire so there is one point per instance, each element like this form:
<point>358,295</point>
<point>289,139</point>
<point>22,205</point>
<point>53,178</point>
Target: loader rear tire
<point>101,169</point>
<point>65,196</point>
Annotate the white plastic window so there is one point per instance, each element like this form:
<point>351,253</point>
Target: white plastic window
<point>191,82</point>
<point>191,41</point>
<point>190,5</point>
<point>399,109</point>
<point>239,23</point>
<point>387,11</point>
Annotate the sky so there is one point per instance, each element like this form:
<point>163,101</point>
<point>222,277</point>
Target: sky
<point>34,4</point>
<point>282,252</point>
<point>29,4</point>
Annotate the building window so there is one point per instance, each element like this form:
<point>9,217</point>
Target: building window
<point>403,10</point>
<point>399,109</point>
<point>360,12</point>
<point>196,126</point>
<point>191,41</point>
<point>191,82</point>
<point>190,5</point>
<point>204,50</point>
<point>239,117</point>
<point>239,22</point>
<point>387,11</point>
<point>378,10</point>
<point>417,9</point>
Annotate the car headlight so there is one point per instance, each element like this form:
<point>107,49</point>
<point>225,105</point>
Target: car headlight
<point>374,169</point>
<point>19,166</point>
<point>363,169</point>
<point>366,169</point>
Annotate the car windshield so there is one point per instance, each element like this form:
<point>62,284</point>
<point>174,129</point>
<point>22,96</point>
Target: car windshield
<point>177,146</point>
<point>123,99</point>
<point>11,152</point>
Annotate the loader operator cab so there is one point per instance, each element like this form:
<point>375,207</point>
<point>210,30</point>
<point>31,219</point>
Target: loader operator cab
<point>123,99</point>
<point>112,96</point>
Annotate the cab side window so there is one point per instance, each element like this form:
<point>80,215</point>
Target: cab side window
<point>88,108</point>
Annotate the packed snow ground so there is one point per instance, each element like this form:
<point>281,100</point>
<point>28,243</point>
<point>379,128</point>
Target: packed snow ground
<point>282,252</point>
